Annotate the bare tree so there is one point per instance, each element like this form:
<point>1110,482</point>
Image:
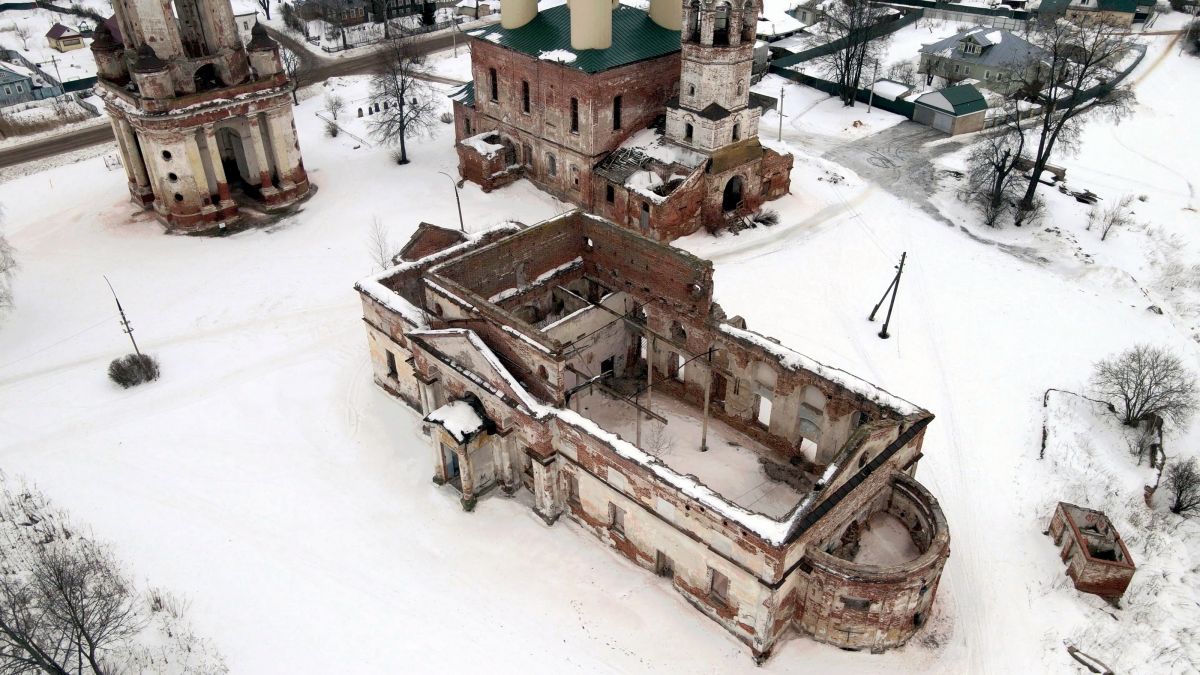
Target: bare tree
<point>1183,484</point>
<point>1145,381</point>
<point>334,104</point>
<point>1075,58</point>
<point>22,31</point>
<point>851,21</point>
<point>291,18</point>
<point>1117,216</point>
<point>8,265</point>
<point>991,168</point>
<point>379,245</point>
<point>409,105</point>
<point>298,71</point>
<point>266,7</point>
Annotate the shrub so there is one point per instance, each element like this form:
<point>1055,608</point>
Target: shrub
<point>331,129</point>
<point>447,118</point>
<point>133,369</point>
<point>768,217</point>
<point>1183,485</point>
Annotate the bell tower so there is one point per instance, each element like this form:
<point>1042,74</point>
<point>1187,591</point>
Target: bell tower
<point>202,121</point>
<point>717,57</point>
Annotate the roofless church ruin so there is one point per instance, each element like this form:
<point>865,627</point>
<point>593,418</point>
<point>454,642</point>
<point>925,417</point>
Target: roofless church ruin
<point>587,364</point>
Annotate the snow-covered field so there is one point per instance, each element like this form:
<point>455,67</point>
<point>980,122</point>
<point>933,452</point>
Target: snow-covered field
<point>268,480</point>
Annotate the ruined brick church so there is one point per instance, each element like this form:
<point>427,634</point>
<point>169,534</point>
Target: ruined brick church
<point>584,367</point>
<point>643,117</point>
<point>202,121</point>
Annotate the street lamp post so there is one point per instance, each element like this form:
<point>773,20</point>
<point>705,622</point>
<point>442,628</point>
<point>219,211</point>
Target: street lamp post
<point>457,201</point>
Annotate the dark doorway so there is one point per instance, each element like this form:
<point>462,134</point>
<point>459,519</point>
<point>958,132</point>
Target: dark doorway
<point>664,566</point>
<point>732,200</point>
<point>608,366</point>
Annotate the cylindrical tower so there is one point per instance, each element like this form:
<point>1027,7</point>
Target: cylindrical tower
<point>591,24</point>
<point>667,13</point>
<point>517,13</point>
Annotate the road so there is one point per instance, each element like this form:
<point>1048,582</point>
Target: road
<point>319,72</point>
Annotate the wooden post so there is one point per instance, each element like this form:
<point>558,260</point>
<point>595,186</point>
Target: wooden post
<point>650,374</point>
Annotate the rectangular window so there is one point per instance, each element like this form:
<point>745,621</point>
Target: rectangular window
<point>391,365</point>
<point>466,126</point>
<point>610,195</point>
<point>524,97</point>
<point>494,83</point>
<point>679,367</point>
<point>616,113</point>
<point>857,604</point>
<point>687,133</point>
<point>616,518</point>
<point>8,91</point>
<point>574,115</point>
<point>718,588</point>
<point>20,88</point>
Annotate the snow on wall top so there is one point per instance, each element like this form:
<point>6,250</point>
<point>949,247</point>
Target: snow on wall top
<point>482,146</point>
<point>794,360</point>
<point>374,287</point>
<point>652,144</point>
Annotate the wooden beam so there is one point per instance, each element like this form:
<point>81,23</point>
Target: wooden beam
<point>616,394</point>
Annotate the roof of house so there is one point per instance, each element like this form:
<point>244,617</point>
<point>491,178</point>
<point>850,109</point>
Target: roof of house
<point>60,31</point>
<point>1123,6</point>
<point>635,37</point>
<point>962,99</point>
<point>16,69</point>
<point>465,95</point>
<point>1000,48</point>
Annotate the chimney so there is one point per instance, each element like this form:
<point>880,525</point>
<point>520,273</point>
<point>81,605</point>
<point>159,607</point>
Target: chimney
<point>667,13</point>
<point>591,23</point>
<point>517,13</point>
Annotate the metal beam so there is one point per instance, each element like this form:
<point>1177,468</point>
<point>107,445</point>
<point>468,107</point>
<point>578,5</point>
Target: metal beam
<point>616,394</point>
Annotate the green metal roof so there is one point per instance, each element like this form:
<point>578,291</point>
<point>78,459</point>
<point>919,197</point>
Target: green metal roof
<point>635,37</point>
<point>465,95</point>
<point>1127,6</point>
<point>965,98</point>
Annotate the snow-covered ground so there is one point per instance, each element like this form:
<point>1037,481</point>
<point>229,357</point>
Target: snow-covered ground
<point>268,480</point>
<point>817,120</point>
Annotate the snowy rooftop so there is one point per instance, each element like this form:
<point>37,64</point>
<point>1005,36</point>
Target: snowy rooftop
<point>459,418</point>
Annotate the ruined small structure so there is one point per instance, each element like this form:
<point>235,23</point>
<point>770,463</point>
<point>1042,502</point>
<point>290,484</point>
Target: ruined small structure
<point>644,117</point>
<point>587,364</point>
<point>200,119</point>
<point>1096,557</point>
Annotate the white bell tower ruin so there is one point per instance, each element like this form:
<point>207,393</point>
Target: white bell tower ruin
<point>202,121</point>
<point>714,85</point>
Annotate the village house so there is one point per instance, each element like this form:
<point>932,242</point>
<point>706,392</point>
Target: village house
<point>64,39</point>
<point>16,84</point>
<point>200,119</point>
<point>587,365</point>
<point>998,59</point>
<point>622,112</point>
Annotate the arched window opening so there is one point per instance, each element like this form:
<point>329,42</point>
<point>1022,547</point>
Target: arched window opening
<point>721,25</point>
<point>693,25</point>
<point>749,22</point>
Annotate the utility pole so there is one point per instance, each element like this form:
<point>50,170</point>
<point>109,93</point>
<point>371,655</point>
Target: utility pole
<point>874,79</point>
<point>457,202</point>
<point>125,325</point>
<point>707,394</point>
<point>893,288</point>
<point>780,138</point>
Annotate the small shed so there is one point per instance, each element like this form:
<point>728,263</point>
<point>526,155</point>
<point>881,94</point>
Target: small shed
<point>1094,553</point>
<point>64,38</point>
<point>955,110</point>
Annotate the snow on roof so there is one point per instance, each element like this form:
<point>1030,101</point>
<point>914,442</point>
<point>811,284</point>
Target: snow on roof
<point>643,182</point>
<point>17,69</point>
<point>777,22</point>
<point>482,146</point>
<point>459,419</point>
<point>559,55</point>
<point>890,89</point>
<point>794,360</point>
<point>654,145</point>
<point>532,405</point>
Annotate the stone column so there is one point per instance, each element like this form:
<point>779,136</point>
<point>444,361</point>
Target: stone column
<point>466,476</point>
<point>214,158</point>
<point>260,156</point>
<point>282,145</point>
<point>545,477</point>
<point>504,463</point>
<point>135,164</point>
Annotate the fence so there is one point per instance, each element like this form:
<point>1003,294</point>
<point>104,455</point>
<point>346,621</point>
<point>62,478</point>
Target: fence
<point>903,108</point>
<point>885,28</point>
